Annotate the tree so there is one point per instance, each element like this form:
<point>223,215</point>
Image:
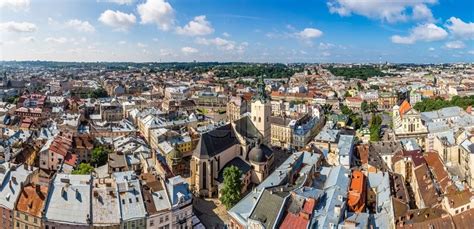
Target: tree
<point>375,126</point>
<point>99,155</point>
<point>326,108</point>
<point>347,94</point>
<point>346,110</point>
<point>83,169</point>
<point>364,106</point>
<point>373,107</point>
<point>232,186</point>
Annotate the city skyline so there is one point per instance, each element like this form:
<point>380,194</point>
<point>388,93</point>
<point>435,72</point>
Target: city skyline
<point>412,31</point>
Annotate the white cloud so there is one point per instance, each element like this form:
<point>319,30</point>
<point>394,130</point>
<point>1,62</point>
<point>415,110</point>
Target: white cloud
<point>225,34</point>
<point>189,50</point>
<point>309,33</point>
<point>157,12</point>
<point>454,45</point>
<point>117,19</point>
<point>120,2</point>
<point>431,49</point>
<point>122,42</point>
<point>422,32</point>
<point>199,26</point>
<point>386,10</point>
<point>471,52</point>
<point>81,26</point>
<point>218,42</point>
<point>422,12</point>
<point>18,27</point>
<point>460,28</point>
<point>57,40</point>
<point>15,5</point>
<point>325,46</point>
<point>141,45</point>
<point>223,44</point>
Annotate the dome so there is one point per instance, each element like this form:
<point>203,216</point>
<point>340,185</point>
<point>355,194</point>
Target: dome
<point>256,154</point>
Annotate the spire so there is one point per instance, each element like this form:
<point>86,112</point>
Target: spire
<point>261,94</point>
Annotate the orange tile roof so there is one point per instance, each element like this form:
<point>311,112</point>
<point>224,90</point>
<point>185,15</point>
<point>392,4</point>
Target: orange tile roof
<point>300,220</point>
<point>32,202</point>
<point>405,107</point>
<point>356,199</point>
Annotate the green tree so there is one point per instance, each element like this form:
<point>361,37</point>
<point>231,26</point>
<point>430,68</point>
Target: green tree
<point>346,110</point>
<point>375,126</point>
<point>347,94</point>
<point>373,107</point>
<point>83,169</point>
<point>232,186</point>
<point>99,155</point>
<point>364,106</point>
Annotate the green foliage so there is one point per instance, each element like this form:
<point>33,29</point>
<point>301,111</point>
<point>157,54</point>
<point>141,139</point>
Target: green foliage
<point>374,127</point>
<point>373,107</point>
<point>364,106</point>
<point>12,99</point>
<point>326,108</point>
<point>232,186</point>
<point>83,169</point>
<point>347,94</point>
<point>374,87</point>
<point>355,119</point>
<point>251,70</point>
<point>438,103</point>
<point>99,155</point>
<point>98,93</point>
<point>346,110</point>
<point>356,72</point>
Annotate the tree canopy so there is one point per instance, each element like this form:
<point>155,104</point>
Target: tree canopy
<point>232,186</point>
<point>99,155</point>
<point>83,169</point>
<point>356,72</point>
<point>439,103</point>
<point>375,126</point>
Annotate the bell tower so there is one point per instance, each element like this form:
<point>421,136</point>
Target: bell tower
<point>261,110</point>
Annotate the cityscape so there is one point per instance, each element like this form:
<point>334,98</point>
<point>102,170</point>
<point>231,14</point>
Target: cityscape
<point>167,114</point>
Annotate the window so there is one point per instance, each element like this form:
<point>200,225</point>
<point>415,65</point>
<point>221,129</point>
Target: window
<point>151,223</point>
<point>26,217</point>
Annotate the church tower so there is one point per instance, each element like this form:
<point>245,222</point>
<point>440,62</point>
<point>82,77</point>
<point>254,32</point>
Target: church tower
<point>261,110</point>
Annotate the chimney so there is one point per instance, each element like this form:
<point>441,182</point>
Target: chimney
<point>337,210</point>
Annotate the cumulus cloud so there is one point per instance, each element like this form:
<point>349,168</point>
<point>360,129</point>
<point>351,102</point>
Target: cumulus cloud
<point>81,26</point>
<point>56,40</point>
<point>309,33</point>
<point>18,27</point>
<point>386,10</point>
<point>461,29</point>
<point>218,42</point>
<point>199,26</point>
<point>15,5</point>
<point>117,19</point>
<point>157,12</point>
<point>422,32</point>
<point>454,45</point>
<point>189,50</point>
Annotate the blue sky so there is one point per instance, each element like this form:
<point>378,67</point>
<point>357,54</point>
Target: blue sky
<point>420,31</point>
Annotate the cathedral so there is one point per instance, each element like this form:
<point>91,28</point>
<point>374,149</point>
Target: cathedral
<point>241,143</point>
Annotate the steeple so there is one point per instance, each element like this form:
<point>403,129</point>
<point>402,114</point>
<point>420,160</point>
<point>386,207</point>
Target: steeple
<point>261,94</point>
